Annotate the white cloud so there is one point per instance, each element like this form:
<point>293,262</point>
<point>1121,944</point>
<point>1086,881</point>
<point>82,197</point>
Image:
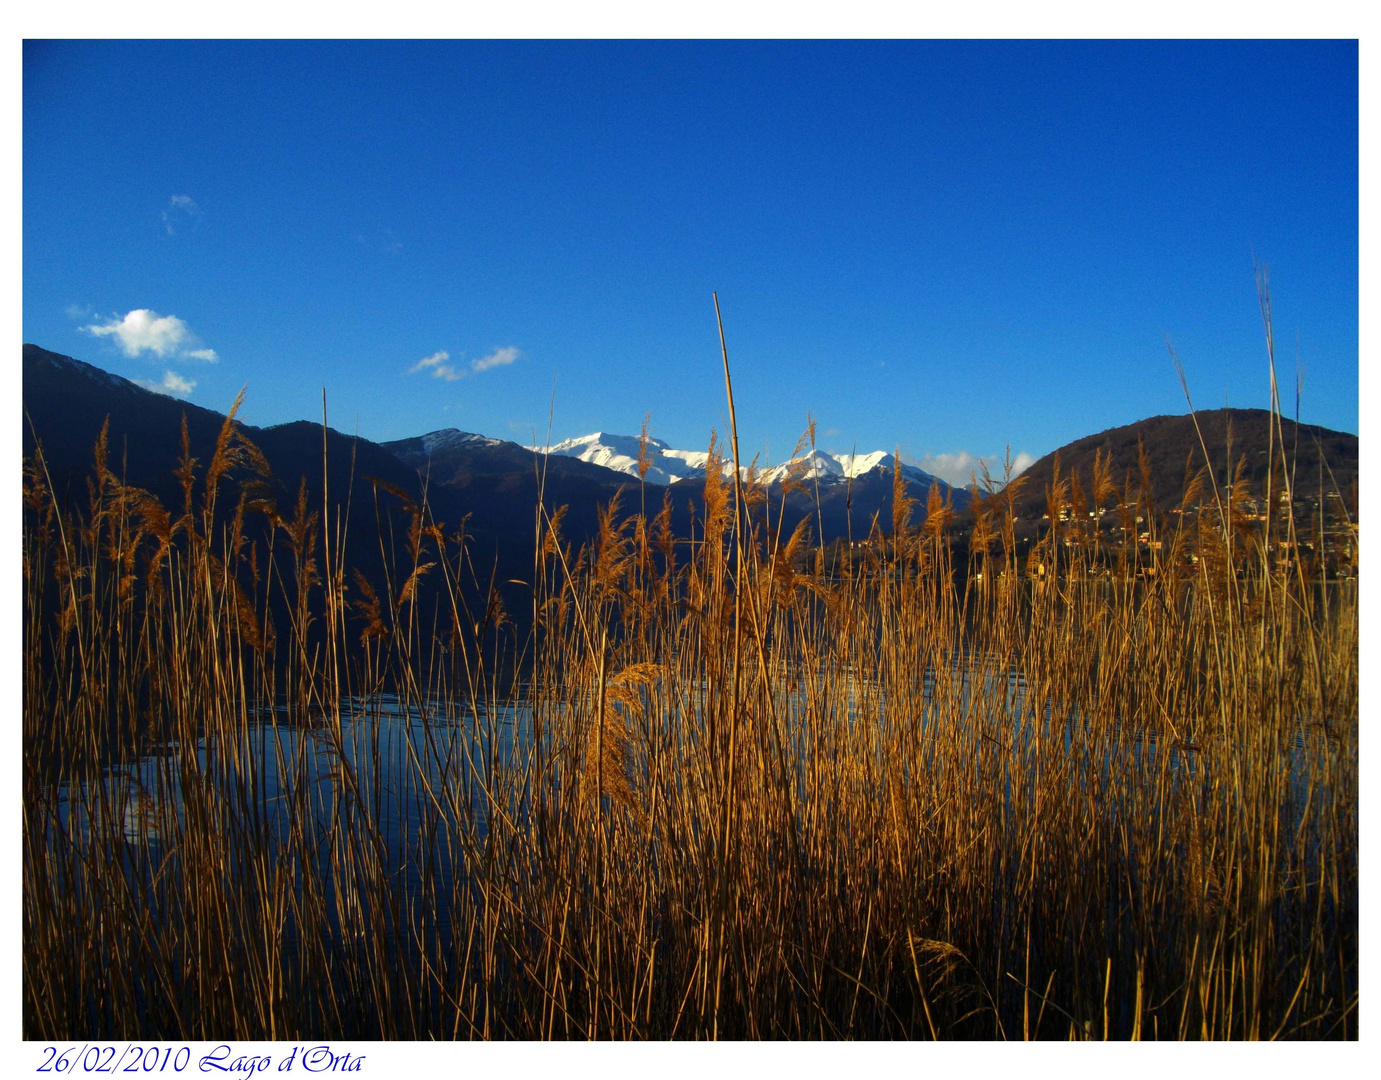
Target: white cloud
<point>498,358</point>
<point>439,367</point>
<point>429,361</point>
<point>173,384</point>
<point>959,468</point>
<point>181,211</point>
<point>145,331</point>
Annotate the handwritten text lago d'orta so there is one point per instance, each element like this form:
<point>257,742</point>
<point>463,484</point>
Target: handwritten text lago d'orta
<point>315,1059</point>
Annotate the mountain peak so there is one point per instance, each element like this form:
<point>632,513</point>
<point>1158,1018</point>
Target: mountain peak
<point>36,354</point>
<point>445,438</point>
<point>620,453</point>
<point>668,465</point>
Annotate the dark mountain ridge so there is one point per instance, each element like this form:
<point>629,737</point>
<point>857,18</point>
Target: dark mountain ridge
<point>1323,460</point>
<point>66,403</point>
<point>458,460</point>
<point>492,486</point>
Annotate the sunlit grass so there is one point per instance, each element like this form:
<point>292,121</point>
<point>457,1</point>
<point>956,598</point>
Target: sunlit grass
<point>747,798</point>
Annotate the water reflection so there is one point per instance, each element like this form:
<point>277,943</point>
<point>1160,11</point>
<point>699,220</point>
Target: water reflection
<point>421,778</point>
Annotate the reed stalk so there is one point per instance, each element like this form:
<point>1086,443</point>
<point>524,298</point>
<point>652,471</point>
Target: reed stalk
<point>718,789</point>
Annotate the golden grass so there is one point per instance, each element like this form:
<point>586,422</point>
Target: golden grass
<point>743,798</point>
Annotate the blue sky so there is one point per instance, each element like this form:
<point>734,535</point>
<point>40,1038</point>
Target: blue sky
<point>947,247</point>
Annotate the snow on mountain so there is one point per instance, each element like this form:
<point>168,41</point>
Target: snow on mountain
<point>620,452</point>
<point>434,442</point>
<point>107,379</point>
<point>819,465</point>
<point>667,465</point>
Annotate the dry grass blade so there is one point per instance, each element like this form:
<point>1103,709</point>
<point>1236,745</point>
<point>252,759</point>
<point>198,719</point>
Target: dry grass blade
<point>718,788</point>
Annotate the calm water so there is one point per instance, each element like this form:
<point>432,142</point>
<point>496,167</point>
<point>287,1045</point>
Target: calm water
<point>417,777</point>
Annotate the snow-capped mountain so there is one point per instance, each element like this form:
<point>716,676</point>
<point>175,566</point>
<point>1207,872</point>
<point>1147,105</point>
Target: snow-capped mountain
<point>668,465</point>
<point>435,442</point>
<point>620,453</point>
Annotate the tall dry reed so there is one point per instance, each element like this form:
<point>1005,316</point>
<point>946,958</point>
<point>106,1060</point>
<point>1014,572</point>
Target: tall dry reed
<point>1106,790</point>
